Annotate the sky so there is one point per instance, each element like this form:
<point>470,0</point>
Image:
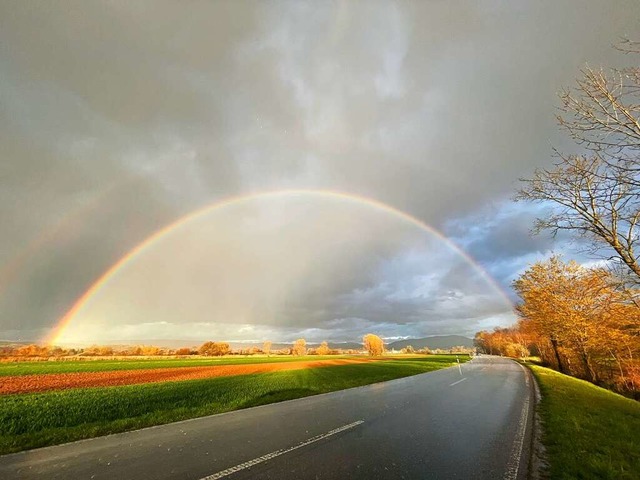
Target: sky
<point>121,118</point>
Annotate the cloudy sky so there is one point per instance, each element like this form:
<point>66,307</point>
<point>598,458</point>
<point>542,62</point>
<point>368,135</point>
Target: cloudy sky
<point>120,118</point>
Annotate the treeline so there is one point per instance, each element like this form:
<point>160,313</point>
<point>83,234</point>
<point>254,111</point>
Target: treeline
<point>298,348</point>
<point>580,321</point>
<point>47,351</point>
<point>372,345</point>
<point>409,349</point>
<point>209,349</point>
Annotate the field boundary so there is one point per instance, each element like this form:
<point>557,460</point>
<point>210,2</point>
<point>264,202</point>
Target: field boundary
<point>26,384</point>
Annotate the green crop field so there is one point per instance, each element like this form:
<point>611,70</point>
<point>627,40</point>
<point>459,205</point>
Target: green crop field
<point>73,366</point>
<point>589,432</point>
<point>35,420</point>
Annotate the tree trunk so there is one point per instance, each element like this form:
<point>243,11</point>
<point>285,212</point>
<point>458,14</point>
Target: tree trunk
<point>588,369</point>
<point>554,344</point>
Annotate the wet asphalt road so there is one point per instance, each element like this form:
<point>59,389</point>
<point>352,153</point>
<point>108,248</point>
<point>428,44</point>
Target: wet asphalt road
<point>446,424</point>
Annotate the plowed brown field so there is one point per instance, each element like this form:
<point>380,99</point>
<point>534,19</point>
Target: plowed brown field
<point>60,381</point>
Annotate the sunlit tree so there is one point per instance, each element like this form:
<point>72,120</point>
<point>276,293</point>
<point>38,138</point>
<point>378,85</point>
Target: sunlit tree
<point>214,349</point>
<point>373,344</point>
<point>299,347</point>
<point>323,349</point>
<point>564,303</point>
<point>578,320</point>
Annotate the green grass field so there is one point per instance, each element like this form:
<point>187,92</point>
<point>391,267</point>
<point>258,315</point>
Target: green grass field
<point>589,432</point>
<point>72,366</point>
<point>36,420</point>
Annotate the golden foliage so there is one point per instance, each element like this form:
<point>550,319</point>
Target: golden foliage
<point>577,320</point>
<point>214,349</point>
<point>299,347</point>
<point>323,349</point>
<point>373,344</point>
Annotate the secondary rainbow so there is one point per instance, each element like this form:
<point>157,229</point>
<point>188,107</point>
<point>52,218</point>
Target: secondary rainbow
<point>64,322</point>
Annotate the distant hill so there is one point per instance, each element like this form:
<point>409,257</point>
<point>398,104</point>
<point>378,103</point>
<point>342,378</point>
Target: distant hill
<point>443,341</point>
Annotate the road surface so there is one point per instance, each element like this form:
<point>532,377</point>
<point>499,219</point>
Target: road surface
<point>467,423</point>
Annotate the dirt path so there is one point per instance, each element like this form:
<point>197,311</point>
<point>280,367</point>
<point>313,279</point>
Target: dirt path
<point>61,381</point>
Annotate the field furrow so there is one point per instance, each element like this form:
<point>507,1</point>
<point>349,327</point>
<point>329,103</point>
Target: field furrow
<point>61,381</point>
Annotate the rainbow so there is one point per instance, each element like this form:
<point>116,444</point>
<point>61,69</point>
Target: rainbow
<point>64,322</point>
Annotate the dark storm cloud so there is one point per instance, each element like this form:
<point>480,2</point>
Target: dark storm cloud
<point>500,237</point>
<point>118,118</point>
<point>502,231</point>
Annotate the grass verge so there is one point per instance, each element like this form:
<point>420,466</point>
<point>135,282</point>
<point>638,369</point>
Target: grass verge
<point>589,432</point>
<point>37,420</point>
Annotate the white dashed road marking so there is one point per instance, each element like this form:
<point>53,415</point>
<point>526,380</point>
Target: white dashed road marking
<point>455,383</point>
<point>277,453</point>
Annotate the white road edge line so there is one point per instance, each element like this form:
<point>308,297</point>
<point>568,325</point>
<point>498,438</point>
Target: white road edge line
<point>516,451</point>
<point>455,383</point>
<point>277,453</point>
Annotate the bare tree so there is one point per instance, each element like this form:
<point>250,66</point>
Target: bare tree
<point>601,113</point>
<point>591,202</point>
<point>597,193</point>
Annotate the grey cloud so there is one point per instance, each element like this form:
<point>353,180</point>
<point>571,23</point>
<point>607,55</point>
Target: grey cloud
<point>120,118</point>
<point>304,265</point>
<point>500,237</point>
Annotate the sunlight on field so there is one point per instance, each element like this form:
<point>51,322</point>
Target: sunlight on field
<point>38,419</point>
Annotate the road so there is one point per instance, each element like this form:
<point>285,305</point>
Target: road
<point>472,423</point>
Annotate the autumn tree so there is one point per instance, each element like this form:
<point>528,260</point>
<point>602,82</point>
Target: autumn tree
<point>214,349</point>
<point>323,349</point>
<point>580,319</point>
<point>597,191</point>
<point>299,347</point>
<point>563,302</point>
<point>481,340</point>
<point>619,340</point>
<point>151,350</point>
<point>373,344</point>
<point>266,347</point>
<point>32,350</point>
<point>504,341</point>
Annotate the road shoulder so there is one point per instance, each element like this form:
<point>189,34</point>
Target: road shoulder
<point>538,462</point>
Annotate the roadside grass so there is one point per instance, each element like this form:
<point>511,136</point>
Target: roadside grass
<point>36,420</point>
<point>76,366</point>
<point>589,432</point>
